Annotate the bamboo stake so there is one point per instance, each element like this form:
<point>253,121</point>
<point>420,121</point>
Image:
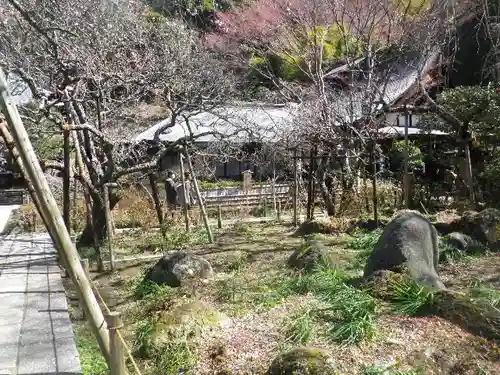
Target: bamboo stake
<point>406,177</point>
<point>109,226</point>
<point>55,222</point>
<point>198,195</point>
<point>184,204</point>
<point>295,187</point>
<point>66,183</point>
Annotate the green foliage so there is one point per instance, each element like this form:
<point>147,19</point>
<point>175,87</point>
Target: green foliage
<point>350,315</point>
<point>190,7</point>
<point>347,311</point>
<point>411,8</point>
<point>386,370</point>
<point>300,327</point>
<point>153,296</point>
<point>91,359</point>
<point>365,241</point>
<point>410,298</point>
<point>448,253</point>
<point>415,156</point>
<point>336,42</point>
<point>487,295</point>
<point>171,357</point>
<point>478,106</point>
<point>320,282</point>
<point>175,239</point>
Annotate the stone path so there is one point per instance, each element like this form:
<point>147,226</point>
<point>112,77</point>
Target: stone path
<point>36,335</point>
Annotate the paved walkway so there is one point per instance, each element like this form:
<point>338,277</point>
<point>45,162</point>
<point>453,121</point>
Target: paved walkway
<point>36,336</point>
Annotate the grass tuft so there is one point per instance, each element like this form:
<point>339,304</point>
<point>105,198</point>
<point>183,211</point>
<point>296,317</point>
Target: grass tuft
<point>365,241</point>
<point>487,295</point>
<point>386,370</point>
<point>410,298</point>
<point>301,327</point>
<point>91,359</point>
<point>350,314</point>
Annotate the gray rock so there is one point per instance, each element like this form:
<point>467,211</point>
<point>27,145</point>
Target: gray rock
<point>173,270</point>
<point>309,256</point>
<point>481,226</point>
<point>303,361</point>
<point>411,240</point>
<point>459,241</point>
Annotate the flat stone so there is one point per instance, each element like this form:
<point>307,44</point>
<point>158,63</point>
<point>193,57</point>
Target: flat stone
<point>36,335</point>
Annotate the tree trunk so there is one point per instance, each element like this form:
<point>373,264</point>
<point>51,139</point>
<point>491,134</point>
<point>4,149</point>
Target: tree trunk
<point>328,198</point>
<point>468,169</point>
<point>98,212</point>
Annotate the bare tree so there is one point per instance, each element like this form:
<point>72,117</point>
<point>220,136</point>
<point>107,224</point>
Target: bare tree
<point>86,64</point>
<point>345,62</point>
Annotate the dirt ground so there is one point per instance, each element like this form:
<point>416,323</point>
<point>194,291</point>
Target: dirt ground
<point>244,255</point>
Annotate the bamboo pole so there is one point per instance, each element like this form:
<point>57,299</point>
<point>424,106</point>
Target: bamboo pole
<point>198,196</point>
<point>55,222</point>
<point>295,188</point>
<point>67,182</point>
<point>109,227</point>
<point>406,177</point>
<point>184,203</point>
<point>86,268</point>
<point>117,362</point>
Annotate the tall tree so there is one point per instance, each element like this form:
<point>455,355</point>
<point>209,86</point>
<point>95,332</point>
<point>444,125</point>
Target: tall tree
<point>86,63</point>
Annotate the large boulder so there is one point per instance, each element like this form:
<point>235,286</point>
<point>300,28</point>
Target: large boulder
<point>481,226</point>
<point>459,241</point>
<point>309,256</point>
<point>317,225</point>
<point>183,322</point>
<point>303,361</point>
<point>409,240</point>
<point>173,270</point>
<point>187,320</point>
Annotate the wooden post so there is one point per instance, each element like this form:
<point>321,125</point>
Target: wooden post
<point>184,204</point>
<point>219,217</point>
<point>373,163</point>
<point>295,188</point>
<point>198,196</point>
<point>278,210</point>
<point>117,360</point>
<point>55,222</point>
<point>265,206</point>
<point>273,186</point>
<point>109,227</point>
<point>310,187</point>
<point>156,198</point>
<point>67,182</point>
<point>406,177</point>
